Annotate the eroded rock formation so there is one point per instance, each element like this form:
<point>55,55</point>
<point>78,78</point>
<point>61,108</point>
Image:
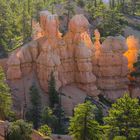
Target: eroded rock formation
<point>110,67</point>
<point>73,59</point>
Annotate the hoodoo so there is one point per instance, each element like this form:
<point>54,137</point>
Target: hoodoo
<point>95,67</point>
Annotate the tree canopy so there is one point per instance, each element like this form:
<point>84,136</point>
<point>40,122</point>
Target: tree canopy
<point>5,97</point>
<point>124,118</point>
<point>19,130</point>
<point>83,125</point>
<point>34,112</point>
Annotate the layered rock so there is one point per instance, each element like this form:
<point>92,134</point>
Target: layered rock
<point>79,47</point>
<point>47,62</point>
<point>67,68</point>
<point>85,78</point>
<point>110,67</point>
<point>20,62</point>
<point>14,69</point>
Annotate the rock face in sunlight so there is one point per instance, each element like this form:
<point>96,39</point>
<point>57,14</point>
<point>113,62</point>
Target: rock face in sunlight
<point>74,59</point>
<point>131,54</point>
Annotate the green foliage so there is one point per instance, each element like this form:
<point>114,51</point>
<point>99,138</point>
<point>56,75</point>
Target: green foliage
<point>109,21</point>
<point>120,138</point>
<point>98,111</point>
<point>99,115</point>
<point>112,23</point>
<point>129,7</point>
<point>13,18</point>
<point>34,112</point>
<point>53,95</point>
<point>60,115</point>
<point>16,20</point>
<point>49,118</point>
<point>104,100</point>
<point>80,3</point>
<point>96,10</point>
<point>83,125</point>
<point>16,16</point>
<point>54,118</point>
<point>5,98</point>
<point>45,130</point>
<point>19,130</point>
<point>124,118</point>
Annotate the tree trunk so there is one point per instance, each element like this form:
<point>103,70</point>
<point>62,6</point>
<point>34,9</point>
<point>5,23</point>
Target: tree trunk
<point>113,3</point>
<point>95,3</point>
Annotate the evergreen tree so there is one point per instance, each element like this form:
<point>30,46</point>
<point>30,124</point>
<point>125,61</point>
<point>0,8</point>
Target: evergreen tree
<point>49,118</point>
<point>14,17</point>
<point>5,98</point>
<point>83,125</point>
<point>16,20</point>
<point>98,111</point>
<point>99,115</point>
<point>19,130</point>
<point>60,115</point>
<point>124,118</point>
<point>46,116</point>
<point>34,113</point>
<point>53,95</point>
<point>112,23</point>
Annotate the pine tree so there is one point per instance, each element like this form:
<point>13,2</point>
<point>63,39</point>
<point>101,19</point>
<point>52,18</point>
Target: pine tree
<point>83,125</point>
<point>49,118</point>
<point>5,98</point>
<point>53,95</point>
<point>99,115</point>
<point>124,118</point>
<point>34,112</point>
<point>58,111</point>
